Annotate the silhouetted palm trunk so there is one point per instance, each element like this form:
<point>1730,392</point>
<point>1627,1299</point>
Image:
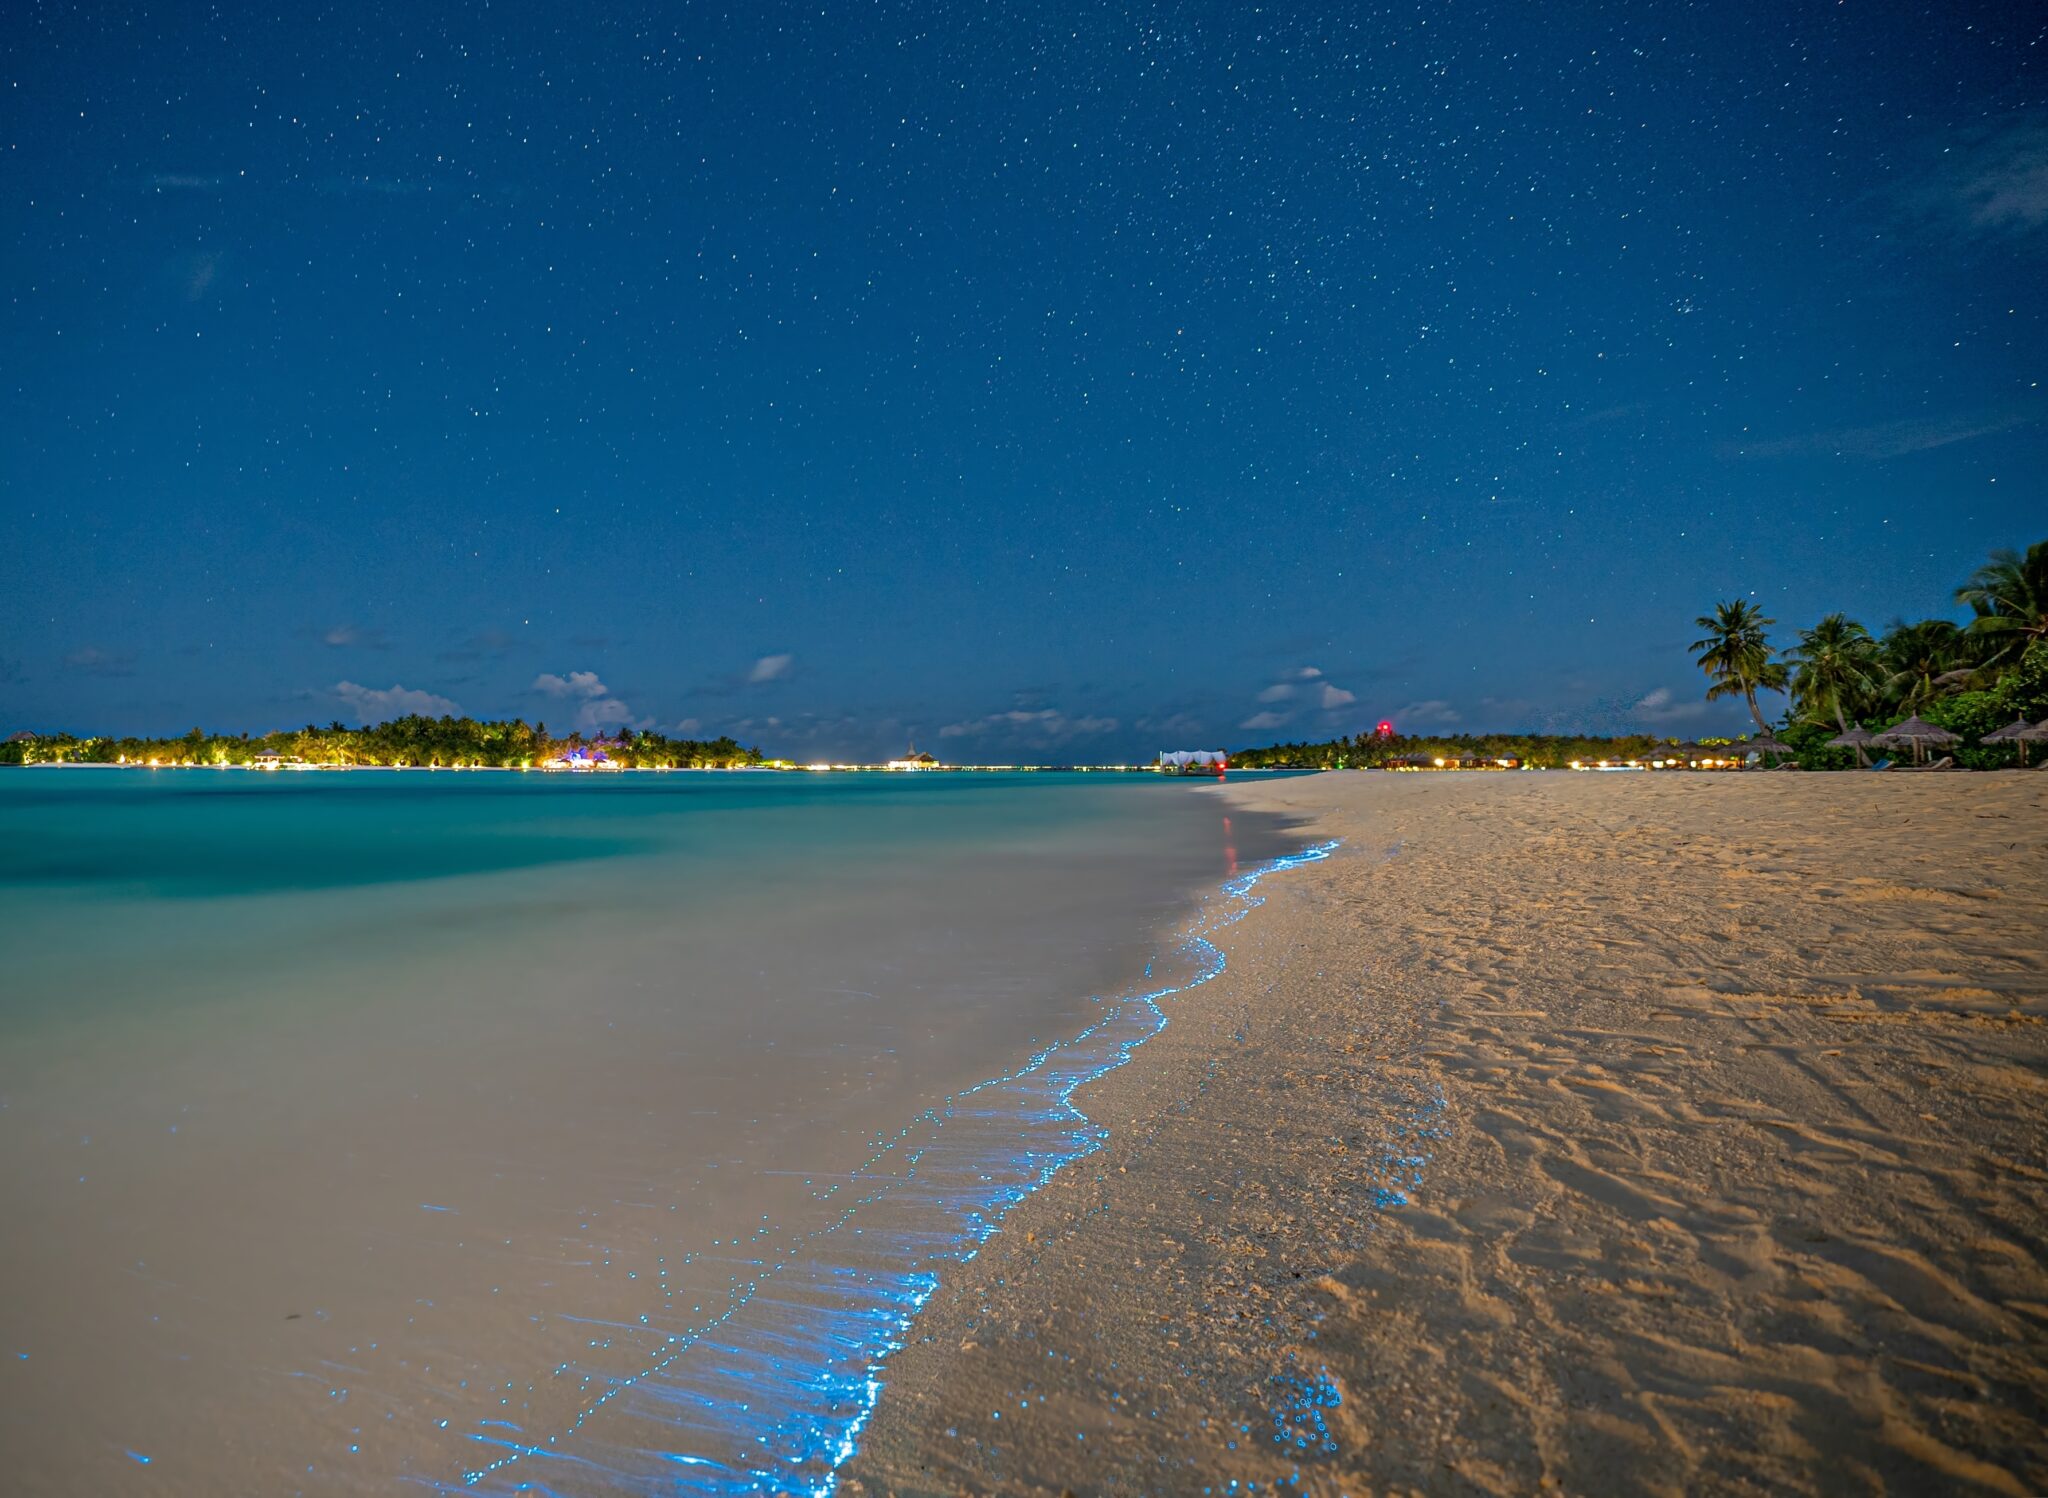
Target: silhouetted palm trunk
<point>1749,696</point>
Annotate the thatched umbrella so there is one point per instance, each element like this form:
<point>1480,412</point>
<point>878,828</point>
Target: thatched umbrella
<point>2018,731</point>
<point>1763,744</point>
<point>1854,738</point>
<point>1919,733</point>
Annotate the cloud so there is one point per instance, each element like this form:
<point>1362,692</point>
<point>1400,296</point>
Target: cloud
<point>575,684</point>
<point>1280,691</point>
<point>1660,705</point>
<point>608,712</point>
<point>1040,725</point>
<point>196,273</point>
<point>596,707</point>
<point>1177,724</point>
<point>1434,712</point>
<point>185,181</point>
<point>690,726</point>
<point>90,660</point>
<point>1990,181</point>
<point>377,705</point>
<point>1889,439</point>
<point>1264,720</point>
<point>489,642</point>
<point>1335,697</point>
<point>345,636</point>
<point>1307,673</point>
<point>771,668</point>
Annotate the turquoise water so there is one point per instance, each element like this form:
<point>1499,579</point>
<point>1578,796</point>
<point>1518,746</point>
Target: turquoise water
<point>495,1131</point>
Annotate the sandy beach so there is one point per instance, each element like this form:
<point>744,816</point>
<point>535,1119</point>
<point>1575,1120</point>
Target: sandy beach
<point>1571,1133</point>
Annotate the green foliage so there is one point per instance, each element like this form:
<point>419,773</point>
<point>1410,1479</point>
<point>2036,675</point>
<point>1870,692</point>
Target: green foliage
<point>2009,596</point>
<point>1809,743</point>
<point>1836,671</point>
<point>1974,714</point>
<point>408,741</point>
<point>2023,691</point>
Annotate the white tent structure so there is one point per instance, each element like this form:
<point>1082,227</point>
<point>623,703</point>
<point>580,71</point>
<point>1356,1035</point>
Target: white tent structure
<point>1184,761</point>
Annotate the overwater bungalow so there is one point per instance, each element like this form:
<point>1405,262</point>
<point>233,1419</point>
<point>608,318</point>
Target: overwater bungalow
<point>581,759</point>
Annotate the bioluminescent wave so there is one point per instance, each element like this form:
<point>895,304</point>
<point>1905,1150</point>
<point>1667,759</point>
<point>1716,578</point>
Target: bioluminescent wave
<point>769,1396</point>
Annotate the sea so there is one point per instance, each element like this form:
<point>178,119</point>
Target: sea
<point>492,1132</point>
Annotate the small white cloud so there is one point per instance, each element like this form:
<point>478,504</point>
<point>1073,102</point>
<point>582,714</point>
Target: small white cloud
<point>1278,692</point>
<point>607,712</point>
<point>575,684</point>
<point>771,668</point>
<point>1307,673</point>
<point>596,707</point>
<point>1336,697</point>
<point>690,726</point>
<point>1264,720</point>
<point>379,704</point>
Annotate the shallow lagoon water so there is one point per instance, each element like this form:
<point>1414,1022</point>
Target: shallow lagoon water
<point>489,1132</point>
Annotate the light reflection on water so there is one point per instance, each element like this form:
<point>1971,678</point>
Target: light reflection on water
<point>481,1131</point>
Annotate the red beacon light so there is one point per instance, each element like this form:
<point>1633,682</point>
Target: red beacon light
<point>1385,730</point>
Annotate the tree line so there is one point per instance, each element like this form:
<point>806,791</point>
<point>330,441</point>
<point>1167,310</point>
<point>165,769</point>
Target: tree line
<point>1374,751</point>
<point>412,741</point>
<point>1969,678</point>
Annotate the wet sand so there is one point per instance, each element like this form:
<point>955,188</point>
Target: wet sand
<point>1567,1133</point>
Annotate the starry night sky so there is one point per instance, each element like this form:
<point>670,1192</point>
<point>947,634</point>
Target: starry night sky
<point>1040,380</point>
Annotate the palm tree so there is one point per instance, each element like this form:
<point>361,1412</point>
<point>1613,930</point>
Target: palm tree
<point>1837,668</point>
<point>1737,656</point>
<point>2010,596</point>
<point>1923,661</point>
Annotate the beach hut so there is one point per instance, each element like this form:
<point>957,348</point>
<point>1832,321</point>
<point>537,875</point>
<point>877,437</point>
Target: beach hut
<point>1917,733</point>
